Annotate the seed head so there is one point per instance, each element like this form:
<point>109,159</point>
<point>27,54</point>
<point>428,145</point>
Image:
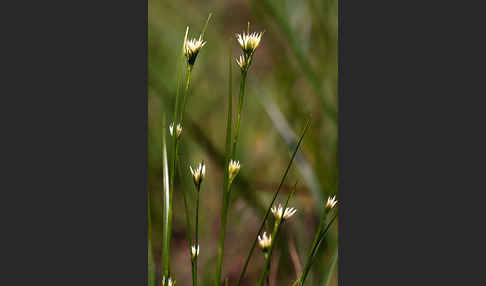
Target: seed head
<point>192,48</point>
<point>331,202</point>
<point>198,174</point>
<point>279,213</point>
<point>233,168</point>
<point>194,251</point>
<point>265,241</point>
<point>249,42</point>
<point>178,129</point>
<point>167,281</point>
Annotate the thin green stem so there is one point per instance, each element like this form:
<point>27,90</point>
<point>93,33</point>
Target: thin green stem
<point>196,234</point>
<point>267,258</point>
<point>222,236</point>
<point>240,107</point>
<point>250,253</point>
<point>227,187</point>
<point>229,124</point>
<point>186,91</point>
<point>187,215</point>
<point>316,239</point>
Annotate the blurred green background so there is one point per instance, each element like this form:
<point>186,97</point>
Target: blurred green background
<point>294,73</point>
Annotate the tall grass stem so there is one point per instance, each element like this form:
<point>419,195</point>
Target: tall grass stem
<point>229,124</point>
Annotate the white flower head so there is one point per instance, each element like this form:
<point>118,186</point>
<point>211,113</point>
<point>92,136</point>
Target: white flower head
<point>233,169</point>
<point>198,174</point>
<point>191,49</point>
<point>167,281</point>
<point>178,129</point>
<point>265,241</point>
<point>279,213</point>
<point>194,251</point>
<point>242,63</point>
<point>249,42</point>
<point>331,202</point>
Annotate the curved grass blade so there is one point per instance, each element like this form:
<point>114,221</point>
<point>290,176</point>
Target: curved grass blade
<point>166,204</point>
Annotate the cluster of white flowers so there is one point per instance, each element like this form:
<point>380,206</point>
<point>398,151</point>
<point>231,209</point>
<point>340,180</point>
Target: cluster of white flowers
<point>279,212</point>
<point>249,43</point>
<point>191,49</point>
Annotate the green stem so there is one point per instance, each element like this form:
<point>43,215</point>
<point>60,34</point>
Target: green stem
<point>240,107</point>
<point>267,258</point>
<point>315,241</point>
<point>188,81</point>
<point>187,215</point>
<point>227,187</point>
<point>229,124</point>
<point>196,234</point>
<point>242,274</point>
<point>222,235</point>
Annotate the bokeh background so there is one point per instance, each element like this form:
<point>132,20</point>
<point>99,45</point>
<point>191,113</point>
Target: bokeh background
<point>294,74</point>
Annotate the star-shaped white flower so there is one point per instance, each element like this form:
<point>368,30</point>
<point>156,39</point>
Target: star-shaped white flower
<point>279,213</point>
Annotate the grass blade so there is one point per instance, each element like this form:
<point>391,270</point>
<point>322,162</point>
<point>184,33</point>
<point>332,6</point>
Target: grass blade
<point>312,255</point>
<point>306,127</point>
<point>166,204</point>
<point>206,25</point>
<point>283,128</point>
<point>329,272</point>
